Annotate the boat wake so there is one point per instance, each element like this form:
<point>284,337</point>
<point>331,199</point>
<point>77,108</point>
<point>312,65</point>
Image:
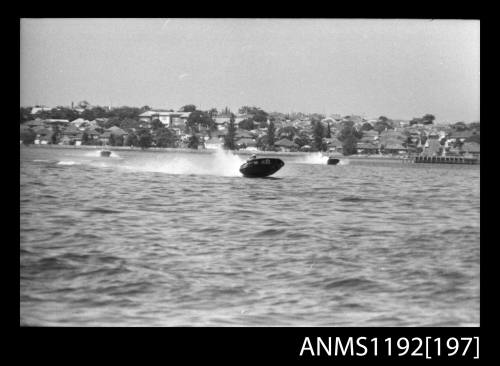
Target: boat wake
<point>222,163</point>
<point>313,158</point>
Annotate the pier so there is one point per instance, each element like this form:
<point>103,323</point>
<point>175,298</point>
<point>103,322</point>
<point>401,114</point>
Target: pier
<point>442,160</point>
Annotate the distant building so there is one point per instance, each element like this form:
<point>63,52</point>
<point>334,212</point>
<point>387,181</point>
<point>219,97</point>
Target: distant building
<point>168,118</point>
<point>39,109</point>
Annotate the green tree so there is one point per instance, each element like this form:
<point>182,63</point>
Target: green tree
<point>144,138</point>
<point>213,112</point>
<point>83,104</point>
<point>119,140</point>
<point>459,126</point>
<point>474,138</point>
<point>56,134</point>
<point>258,115</point>
<point>229,138</point>
<point>24,114</point>
<point>271,131</point>
<point>366,127</point>
<point>428,119</point>
<point>328,131</point>
<point>113,121</point>
<point>132,140</point>
<point>199,118</point>
<point>318,134</point>
<point>85,138</point>
<point>156,124</point>
<point>193,141</point>
<point>188,108</point>
<point>415,121</point>
<point>88,114</point>
<point>246,124</point>
<point>383,124</point>
<point>349,137</point>
<point>349,145</point>
<point>28,137</point>
<point>165,138</point>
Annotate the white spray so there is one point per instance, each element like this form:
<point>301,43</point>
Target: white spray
<point>222,163</point>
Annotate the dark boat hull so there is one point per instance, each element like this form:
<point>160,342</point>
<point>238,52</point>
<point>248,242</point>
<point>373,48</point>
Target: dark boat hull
<point>105,153</point>
<point>332,161</point>
<point>261,167</point>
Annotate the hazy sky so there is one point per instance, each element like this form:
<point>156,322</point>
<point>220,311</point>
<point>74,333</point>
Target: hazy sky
<point>396,68</point>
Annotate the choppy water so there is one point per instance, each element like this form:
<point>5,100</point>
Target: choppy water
<point>163,239</point>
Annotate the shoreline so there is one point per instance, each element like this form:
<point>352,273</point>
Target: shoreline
<point>209,151</point>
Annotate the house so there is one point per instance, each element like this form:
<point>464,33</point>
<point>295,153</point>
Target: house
<point>460,135</point>
<point>394,148</point>
<point>35,123</point>
<point>432,147</point>
<point>367,148</point>
<point>472,148</point>
<point>214,143</point>
<point>333,144</point>
<point>69,135</point>
<point>369,136</point>
<point>104,137</point>
<point>220,133</point>
<point>92,133</point>
<point>336,117</point>
<point>117,131</point>
<point>56,122</point>
<point>247,143</point>
<point>43,136</point>
<point>391,135</point>
<point>240,133</point>
<point>80,123</point>
<point>222,122</point>
<point>168,118</point>
<point>286,145</point>
<point>39,109</point>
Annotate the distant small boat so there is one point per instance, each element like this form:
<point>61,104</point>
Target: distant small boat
<point>261,167</point>
<point>333,161</point>
<point>105,153</point>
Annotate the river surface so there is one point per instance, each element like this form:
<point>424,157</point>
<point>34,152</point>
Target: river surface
<point>178,239</point>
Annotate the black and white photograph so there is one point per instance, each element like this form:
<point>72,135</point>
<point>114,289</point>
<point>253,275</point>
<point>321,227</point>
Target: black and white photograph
<point>249,172</point>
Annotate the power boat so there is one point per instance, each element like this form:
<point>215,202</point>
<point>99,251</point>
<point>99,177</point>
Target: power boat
<point>105,153</point>
<point>332,161</point>
<point>261,167</point>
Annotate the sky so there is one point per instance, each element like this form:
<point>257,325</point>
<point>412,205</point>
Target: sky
<point>371,67</point>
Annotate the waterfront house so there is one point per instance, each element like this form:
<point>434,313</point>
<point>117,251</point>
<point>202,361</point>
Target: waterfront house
<point>92,133</point>
<point>367,148</point>
<point>394,147</point>
<point>460,136</point>
<point>43,136</point>
<point>214,143</point>
<point>432,147</point>
<point>286,145</point>
<point>472,148</point>
<point>247,143</point>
